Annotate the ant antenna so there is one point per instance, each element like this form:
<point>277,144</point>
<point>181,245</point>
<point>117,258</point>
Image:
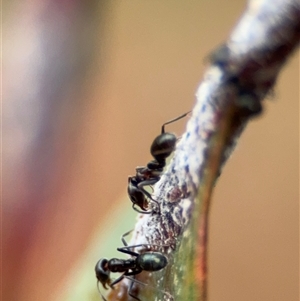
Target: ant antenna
<point>173,120</point>
<point>104,299</point>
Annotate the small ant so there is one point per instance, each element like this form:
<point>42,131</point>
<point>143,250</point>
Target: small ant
<point>161,148</point>
<point>147,261</point>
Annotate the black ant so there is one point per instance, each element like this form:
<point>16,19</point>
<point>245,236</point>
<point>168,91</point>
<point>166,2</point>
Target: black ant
<point>148,261</point>
<point>161,148</point>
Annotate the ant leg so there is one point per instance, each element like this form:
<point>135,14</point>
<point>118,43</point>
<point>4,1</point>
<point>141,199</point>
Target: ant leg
<point>129,252</point>
<point>145,284</point>
<point>150,182</point>
<point>126,247</point>
<point>130,289</point>
<point>173,120</point>
<point>126,251</point>
<point>135,280</point>
<point>134,272</point>
<point>125,242</point>
<point>123,239</point>
<point>103,298</point>
<point>117,280</point>
<point>140,211</point>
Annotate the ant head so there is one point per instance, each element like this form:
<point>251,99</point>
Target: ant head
<point>162,146</point>
<point>102,272</point>
<point>137,197</point>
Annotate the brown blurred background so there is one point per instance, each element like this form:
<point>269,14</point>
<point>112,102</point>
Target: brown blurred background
<point>86,87</point>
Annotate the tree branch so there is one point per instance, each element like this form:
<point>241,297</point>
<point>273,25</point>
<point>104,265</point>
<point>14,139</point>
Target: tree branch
<point>242,73</point>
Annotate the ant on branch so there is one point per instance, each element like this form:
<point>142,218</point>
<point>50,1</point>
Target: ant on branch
<point>148,261</point>
<point>161,148</point>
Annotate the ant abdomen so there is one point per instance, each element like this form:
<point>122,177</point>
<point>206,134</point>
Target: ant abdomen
<point>162,146</point>
<point>152,261</point>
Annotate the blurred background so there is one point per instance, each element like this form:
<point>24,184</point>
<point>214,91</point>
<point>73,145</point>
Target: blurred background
<point>86,87</point>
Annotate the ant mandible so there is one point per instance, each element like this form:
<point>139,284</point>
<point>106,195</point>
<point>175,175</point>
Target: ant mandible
<point>161,148</point>
<point>147,261</point>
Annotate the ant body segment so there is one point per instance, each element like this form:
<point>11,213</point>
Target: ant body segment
<point>148,261</point>
<point>161,148</point>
